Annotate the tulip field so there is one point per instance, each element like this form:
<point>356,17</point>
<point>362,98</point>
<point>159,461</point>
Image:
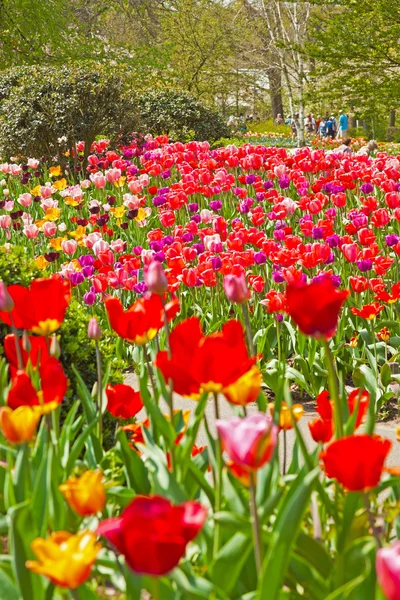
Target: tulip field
<point>266,277</point>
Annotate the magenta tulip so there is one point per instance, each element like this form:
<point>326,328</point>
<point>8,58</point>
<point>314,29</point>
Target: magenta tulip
<point>388,570</point>
<point>236,289</point>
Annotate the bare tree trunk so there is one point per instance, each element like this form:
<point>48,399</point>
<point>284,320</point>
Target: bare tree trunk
<point>392,118</point>
<point>275,91</point>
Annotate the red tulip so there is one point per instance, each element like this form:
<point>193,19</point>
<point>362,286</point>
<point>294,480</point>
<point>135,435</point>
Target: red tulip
<point>209,363</point>
<point>141,322</point>
<point>123,401</point>
<point>250,441</point>
<point>368,311</point>
<point>315,307</point>
<point>356,461</point>
<point>321,431</point>
<point>53,385</point>
<point>38,351</point>
<point>41,308</point>
<point>152,534</point>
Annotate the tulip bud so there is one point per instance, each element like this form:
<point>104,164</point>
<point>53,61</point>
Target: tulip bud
<point>6,302</point>
<point>26,342</point>
<point>388,570</point>
<point>94,331</point>
<point>236,289</point>
<point>155,278</point>
<point>55,349</point>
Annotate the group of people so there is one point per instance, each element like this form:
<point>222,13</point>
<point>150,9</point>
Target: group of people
<point>240,123</point>
<point>327,126</point>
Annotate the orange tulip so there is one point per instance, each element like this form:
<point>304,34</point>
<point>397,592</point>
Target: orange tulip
<point>85,494</point>
<point>64,558</point>
<point>19,426</point>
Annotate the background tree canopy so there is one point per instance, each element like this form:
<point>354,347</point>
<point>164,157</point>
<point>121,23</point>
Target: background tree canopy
<point>252,56</point>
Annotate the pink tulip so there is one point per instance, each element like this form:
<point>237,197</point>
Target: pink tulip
<point>113,175</point>
<point>100,246</point>
<point>25,199</point>
<point>118,245</point>
<point>91,239</point>
<point>236,289</point>
<point>33,163</point>
<point>388,570</point>
<point>249,441</point>
<point>47,203</point>
<point>5,168</point>
<point>350,252</point>
<point>46,191</point>
<point>135,187</point>
<point>69,246</point>
<point>210,241</point>
<point>206,215</point>
<point>6,302</point>
<point>15,170</point>
<point>279,171</point>
<point>49,228</point>
<point>94,331</point>
<point>5,221</point>
<point>98,179</point>
<point>31,231</point>
<point>9,205</point>
<point>155,278</point>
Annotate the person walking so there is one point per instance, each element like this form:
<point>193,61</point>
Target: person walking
<point>343,125</point>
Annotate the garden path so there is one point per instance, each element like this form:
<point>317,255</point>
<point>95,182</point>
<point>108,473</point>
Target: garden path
<point>387,429</point>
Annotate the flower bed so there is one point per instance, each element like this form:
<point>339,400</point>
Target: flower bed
<point>253,273</point>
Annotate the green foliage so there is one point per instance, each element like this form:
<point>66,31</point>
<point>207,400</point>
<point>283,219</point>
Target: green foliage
<point>40,105</point>
<point>180,116</point>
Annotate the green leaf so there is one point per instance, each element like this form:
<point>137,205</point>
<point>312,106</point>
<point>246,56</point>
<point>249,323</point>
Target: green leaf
<point>77,448</point>
<point>284,535</point>
<point>22,474</point>
<point>386,375</point>
<point>135,470</point>
<point>197,587</point>
<point>39,496</point>
<point>23,532</point>
<point>230,560</point>
<point>8,591</point>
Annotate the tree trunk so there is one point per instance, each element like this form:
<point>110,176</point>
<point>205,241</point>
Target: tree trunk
<point>275,91</point>
<point>392,118</point>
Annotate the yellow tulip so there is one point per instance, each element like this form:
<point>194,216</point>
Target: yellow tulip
<point>85,494</point>
<point>64,558</point>
<point>19,426</point>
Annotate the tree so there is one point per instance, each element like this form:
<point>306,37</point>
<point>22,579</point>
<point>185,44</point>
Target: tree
<point>355,44</point>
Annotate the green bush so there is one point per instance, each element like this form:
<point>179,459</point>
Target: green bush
<point>41,104</point>
<point>180,116</point>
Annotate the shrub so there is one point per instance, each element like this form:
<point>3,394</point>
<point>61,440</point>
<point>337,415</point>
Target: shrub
<point>393,134</point>
<point>180,116</point>
<point>40,105</point>
<point>268,127</point>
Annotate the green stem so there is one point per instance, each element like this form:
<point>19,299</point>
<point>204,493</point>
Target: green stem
<point>246,318</point>
<point>218,481</point>
<point>284,452</point>
<point>333,388</point>
<point>99,391</point>
<point>17,346</point>
<point>278,339</point>
<point>255,522</point>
